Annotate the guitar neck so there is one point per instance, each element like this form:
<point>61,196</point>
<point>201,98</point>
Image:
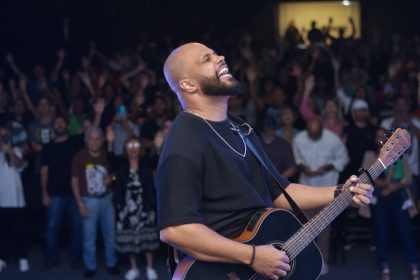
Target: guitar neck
<point>312,228</point>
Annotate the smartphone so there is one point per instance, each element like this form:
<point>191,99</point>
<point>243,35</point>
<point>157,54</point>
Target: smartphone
<point>121,110</point>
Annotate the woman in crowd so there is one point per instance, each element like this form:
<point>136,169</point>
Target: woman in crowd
<point>388,208</point>
<point>135,199</point>
<point>12,201</point>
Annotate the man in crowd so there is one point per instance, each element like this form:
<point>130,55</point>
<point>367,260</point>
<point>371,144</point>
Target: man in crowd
<point>277,149</point>
<point>91,185</point>
<point>321,156</point>
<point>57,195</point>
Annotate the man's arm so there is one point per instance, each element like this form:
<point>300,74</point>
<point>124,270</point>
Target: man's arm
<point>307,197</point>
<point>202,243</point>
<point>46,200</point>
<point>76,193</point>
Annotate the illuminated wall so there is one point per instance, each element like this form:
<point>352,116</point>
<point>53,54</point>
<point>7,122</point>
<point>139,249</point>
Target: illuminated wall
<point>302,13</point>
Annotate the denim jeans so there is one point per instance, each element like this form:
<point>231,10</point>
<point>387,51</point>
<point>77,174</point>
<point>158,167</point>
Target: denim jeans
<point>62,205</point>
<point>386,213</point>
<point>100,210</point>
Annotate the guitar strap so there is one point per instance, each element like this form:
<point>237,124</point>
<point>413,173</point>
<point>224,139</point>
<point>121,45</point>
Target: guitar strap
<point>268,165</point>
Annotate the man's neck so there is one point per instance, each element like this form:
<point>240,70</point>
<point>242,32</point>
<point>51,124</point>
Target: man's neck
<point>61,139</point>
<point>45,119</point>
<point>94,153</point>
<point>361,124</point>
<point>268,138</point>
<point>212,110</point>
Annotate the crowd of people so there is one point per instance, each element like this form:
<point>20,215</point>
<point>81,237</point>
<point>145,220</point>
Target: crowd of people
<point>82,145</point>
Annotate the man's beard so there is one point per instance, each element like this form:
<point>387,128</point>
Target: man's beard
<point>215,87</point>
<point>60,132</point>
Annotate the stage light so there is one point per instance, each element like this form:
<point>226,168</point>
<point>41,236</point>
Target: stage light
<point>346,3</point>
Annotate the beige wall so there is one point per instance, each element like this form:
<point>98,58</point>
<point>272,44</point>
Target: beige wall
<point>302,13</point>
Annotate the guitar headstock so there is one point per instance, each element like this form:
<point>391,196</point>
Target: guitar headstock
<point>398,142</point>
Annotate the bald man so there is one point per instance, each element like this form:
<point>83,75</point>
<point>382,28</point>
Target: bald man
<point>208,184</point>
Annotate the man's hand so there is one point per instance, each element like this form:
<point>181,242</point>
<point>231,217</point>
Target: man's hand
<point>83,211</point>
<point>362,192</point>
<point>271,262</point>
<point>46,200</point>
<point>107,180</point>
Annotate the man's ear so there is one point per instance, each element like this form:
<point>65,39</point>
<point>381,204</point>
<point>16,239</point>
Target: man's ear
<point>188,85</point>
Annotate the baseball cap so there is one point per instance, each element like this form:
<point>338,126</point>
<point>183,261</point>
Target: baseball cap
<point>359,104</point>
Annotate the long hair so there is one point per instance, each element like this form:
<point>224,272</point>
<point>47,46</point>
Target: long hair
<point>338,115</point>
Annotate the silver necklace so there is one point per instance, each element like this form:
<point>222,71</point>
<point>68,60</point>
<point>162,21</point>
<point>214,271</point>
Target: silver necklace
<point>233,127</point>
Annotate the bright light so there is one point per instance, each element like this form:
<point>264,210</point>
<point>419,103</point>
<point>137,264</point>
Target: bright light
<point>346,3</point>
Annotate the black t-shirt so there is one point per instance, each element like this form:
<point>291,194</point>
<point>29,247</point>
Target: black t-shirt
<point>200,179</point>
<point>58,157</point>
<point>359,140</point>
<point>280,153</point>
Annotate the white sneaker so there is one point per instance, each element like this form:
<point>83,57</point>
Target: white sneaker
<point>151,274</point>
<point>2,265</point>
<point>23,265</point>
<point>132,274</point>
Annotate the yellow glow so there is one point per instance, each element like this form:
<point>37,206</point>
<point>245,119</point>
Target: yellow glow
<point>302,13</point>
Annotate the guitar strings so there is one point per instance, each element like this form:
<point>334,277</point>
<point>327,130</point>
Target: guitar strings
<point>292,248</point>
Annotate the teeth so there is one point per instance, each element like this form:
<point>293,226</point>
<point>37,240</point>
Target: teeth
<point>223,71</point>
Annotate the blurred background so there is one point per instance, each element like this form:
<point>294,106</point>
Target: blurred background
<point>354,64</point>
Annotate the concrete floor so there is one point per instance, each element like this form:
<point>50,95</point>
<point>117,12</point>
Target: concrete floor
<point>360,264</point>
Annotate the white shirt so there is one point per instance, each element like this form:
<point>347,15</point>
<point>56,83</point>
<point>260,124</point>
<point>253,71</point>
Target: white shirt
<point>11,189</point>
<point>328,149</point>
<point>413,152</point>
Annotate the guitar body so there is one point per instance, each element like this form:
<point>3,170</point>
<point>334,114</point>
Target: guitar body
<point>269,226</point>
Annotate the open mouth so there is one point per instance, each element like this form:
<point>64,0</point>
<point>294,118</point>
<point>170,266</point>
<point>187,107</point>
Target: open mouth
<point>223,71</point>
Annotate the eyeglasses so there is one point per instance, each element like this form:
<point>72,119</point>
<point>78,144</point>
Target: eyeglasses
<point>133,145</point>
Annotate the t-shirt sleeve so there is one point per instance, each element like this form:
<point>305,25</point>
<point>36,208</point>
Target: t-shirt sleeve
<point>178,189</point>
<point>45,156</point>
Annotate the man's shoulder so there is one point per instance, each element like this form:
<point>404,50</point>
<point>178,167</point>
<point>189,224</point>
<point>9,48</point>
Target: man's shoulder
<point>80,154</point>
<point>301,136</point>
<point>184,130</point>
<point>331,136</point>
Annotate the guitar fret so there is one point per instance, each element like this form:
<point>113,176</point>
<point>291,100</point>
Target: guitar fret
<point>311,229</point>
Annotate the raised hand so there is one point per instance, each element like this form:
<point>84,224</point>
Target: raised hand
<point>99,106</point>
<point>309,83</point>
<point>9,58</point>
<point>110,135</point>
<point>61,53</point>
<point>23,82</point>
<point>251,74</point>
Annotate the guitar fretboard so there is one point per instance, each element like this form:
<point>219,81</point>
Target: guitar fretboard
<point>312,228</point>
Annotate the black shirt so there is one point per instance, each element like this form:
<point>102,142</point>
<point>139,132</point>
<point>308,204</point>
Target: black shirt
<point>58,157</point>
<point>359,140</point>
<point>200,179</point>
<point>280,153</point>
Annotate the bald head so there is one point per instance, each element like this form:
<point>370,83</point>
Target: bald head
<point>178,63</point>
<point>314,128</point>
<point>199,75</point>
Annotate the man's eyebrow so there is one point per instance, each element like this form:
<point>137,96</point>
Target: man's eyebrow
<point>207,55</point>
